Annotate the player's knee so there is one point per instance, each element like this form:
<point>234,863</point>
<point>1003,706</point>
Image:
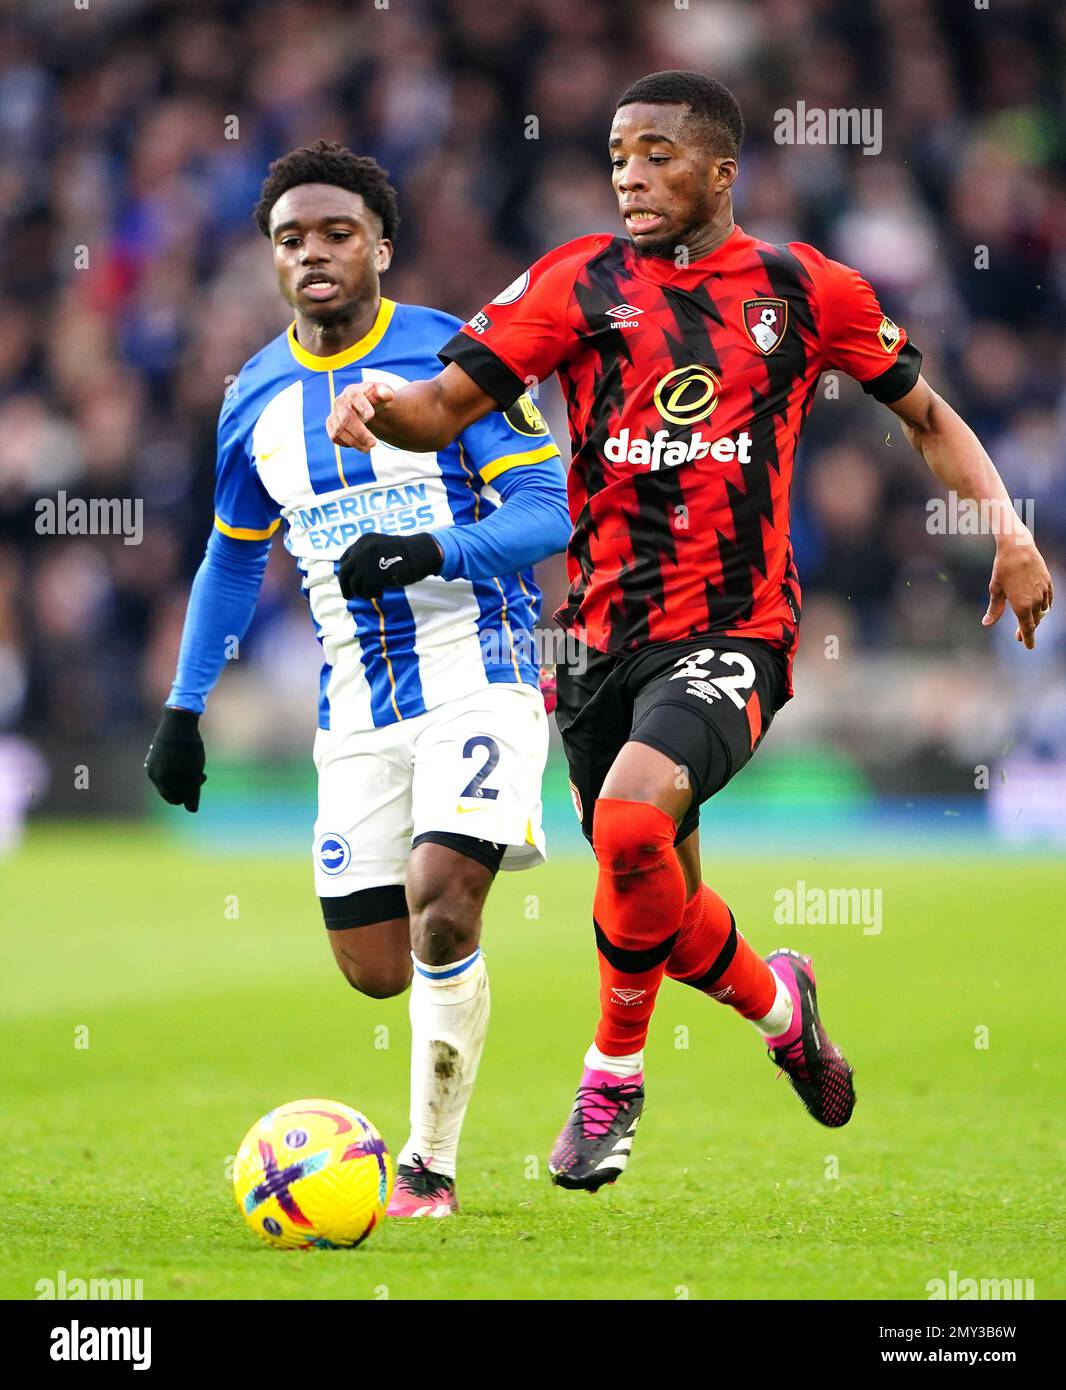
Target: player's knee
<point>375,979</point>
<point>378,983</point>
<point>445,926</point>
<point>630,837</point>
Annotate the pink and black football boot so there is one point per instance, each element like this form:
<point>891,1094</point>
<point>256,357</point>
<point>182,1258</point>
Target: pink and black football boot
<point>816,1068</point>
<point>593,1146</point>
<point>419,1191</point>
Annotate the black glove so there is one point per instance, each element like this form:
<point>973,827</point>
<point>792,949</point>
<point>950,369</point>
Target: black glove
<point>176,758</point>
<point>377,562</point>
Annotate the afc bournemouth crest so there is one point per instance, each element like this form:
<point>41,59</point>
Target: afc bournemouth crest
<point>765,321</point>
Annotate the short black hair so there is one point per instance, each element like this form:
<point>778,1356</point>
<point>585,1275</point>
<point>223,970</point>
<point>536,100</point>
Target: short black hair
<point>326,161</point>
<point>713,105</point>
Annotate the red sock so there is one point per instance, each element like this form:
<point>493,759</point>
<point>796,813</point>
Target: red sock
<point>712,956</point>
<point>640,897</point>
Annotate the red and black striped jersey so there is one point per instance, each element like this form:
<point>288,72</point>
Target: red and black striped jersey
<point>686,389</point>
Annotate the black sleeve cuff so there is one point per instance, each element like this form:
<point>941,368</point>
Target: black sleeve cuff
<point>483,366</point>
<point>899,378</point>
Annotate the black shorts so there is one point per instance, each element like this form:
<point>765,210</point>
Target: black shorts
<point>706,702</point>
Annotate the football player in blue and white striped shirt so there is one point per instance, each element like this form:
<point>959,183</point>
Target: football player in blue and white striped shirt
<point>417,571</point>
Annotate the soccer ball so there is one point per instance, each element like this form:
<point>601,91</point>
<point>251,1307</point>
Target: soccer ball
<point>313,1173</point>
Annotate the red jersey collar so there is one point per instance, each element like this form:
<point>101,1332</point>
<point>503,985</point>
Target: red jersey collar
<point>660,271</point>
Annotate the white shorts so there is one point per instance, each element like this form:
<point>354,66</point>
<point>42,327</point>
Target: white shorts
<point>471,766</point>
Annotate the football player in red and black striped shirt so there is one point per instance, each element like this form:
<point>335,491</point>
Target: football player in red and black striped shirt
<point>689,353</point>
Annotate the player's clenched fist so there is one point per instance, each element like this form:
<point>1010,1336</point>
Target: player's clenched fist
<point>353,408</point>
<point>378,562</point>
<point>176,758</point>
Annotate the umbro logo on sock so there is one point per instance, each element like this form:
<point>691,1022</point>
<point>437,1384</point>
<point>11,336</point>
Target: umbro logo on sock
<point>627,996</point>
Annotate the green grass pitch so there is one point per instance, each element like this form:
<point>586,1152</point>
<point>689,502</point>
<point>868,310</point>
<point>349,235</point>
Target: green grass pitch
<point>115,1160</point>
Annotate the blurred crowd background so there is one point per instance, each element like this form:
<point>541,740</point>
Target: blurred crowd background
<point>134,135</point>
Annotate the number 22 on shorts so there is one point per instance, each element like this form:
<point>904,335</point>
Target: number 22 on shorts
<point>694,667</point>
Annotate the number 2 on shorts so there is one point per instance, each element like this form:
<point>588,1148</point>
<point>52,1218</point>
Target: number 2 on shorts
<point>476,785</point>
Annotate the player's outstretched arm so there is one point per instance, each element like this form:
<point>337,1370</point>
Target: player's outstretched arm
<point>422,416</point>
<point>955,454</point>
<point>221,604</point>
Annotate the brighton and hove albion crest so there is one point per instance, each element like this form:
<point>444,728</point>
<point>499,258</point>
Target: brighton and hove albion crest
<point>765,321</point>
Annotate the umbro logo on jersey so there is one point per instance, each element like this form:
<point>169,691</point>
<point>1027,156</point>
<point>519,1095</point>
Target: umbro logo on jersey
<point>624,315</point>
<point>628,996</point>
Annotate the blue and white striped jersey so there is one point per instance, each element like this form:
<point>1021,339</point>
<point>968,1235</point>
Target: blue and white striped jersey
<point>399,655</point>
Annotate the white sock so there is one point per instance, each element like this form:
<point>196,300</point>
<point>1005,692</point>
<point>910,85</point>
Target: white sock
<point>449,1011</point>
<point>779,1019</point>
<point>630,1065</point>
